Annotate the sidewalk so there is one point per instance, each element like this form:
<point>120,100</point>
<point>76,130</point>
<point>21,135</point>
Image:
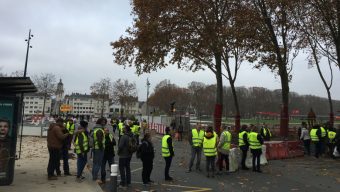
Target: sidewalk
<point>30,172</point>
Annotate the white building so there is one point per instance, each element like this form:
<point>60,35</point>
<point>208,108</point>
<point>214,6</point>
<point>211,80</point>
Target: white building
<point>130,109</point>
<point>34,103</point>
<point>83,104</point>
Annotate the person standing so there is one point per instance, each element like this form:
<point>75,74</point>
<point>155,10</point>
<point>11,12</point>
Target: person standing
<point>180,131</point>
<point>331,141</point>
<point>244,145</point>
<point>81,148</point>
<point>265,133</point>
<point>55,137</point>
<point>120,129</point>
<point>305,137</point>
<point>315,134</point>
<point>125,155</point>
<point>70,128</point>
<point>109,153</point>
<point>255,144</point>
<point>196,139</point>
<point>136,131</point>
<point>224,148</point>
<point>147,156</point>
<point>99,146</point>
<point>167,152</point>
<point>210,150</point>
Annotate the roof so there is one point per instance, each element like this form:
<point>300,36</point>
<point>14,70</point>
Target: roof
<point>13,85</point>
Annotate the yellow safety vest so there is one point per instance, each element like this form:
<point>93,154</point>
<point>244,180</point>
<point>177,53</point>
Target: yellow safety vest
<point>165,146</point>
<point>265,132</point>
<point>85,143</point>
<point>120,127</point>
<point>70,128</point>
<point>96,146</point>
<point>226,145</point>
<point>331,136</point>
<point>135,129</point>
<point>197,137</point>
<point>313,135</point>
<point>323,132</point>
<point>209,146</point>
<point>240,138</point>
<point>254,143</point>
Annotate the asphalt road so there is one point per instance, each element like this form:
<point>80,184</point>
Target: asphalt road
<point>299,174</point>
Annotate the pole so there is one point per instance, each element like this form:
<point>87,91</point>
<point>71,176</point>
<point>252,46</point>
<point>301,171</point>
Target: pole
<point>113,177</point>
<point>147,100</point>
<point>22,95</point>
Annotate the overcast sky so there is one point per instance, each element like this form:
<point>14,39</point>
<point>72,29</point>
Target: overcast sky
<point>72,40</point>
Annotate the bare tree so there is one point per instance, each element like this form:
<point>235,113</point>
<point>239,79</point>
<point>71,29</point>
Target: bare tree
<point>46,85</point>
<point>101,90</point>
<point>124,93</point>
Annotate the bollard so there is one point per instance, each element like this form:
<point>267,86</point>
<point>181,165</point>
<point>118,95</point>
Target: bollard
<point>113,177</point>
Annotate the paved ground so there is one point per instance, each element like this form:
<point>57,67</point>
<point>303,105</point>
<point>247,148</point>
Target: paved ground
<point>300,174</point>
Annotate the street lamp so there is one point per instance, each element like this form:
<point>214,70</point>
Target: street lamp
<point>147,99</point>
<point>28,48</point>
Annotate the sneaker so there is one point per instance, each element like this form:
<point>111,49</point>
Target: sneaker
<point>79,180</point>
<point>99,181</point>
<point>82,177</point>
<point>53,177</point>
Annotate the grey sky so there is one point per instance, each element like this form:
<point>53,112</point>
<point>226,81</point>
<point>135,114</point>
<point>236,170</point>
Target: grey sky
<point>71,40</point>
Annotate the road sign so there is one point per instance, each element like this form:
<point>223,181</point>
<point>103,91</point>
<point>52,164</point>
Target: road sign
<point>65,108</point>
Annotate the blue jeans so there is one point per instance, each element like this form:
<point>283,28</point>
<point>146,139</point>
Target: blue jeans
<point>97,162</point>
<point>125,171</point>
<point>81,162</point>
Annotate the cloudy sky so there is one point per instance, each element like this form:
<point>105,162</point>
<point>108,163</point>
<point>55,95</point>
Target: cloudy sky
<point>72,40</point>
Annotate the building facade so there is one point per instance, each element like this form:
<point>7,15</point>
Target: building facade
<point>34,103</point>
<point>86,105</point>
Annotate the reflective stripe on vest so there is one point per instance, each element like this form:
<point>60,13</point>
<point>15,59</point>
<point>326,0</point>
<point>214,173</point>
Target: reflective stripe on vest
<point>227,135</point>
<point>165,147</point>
<point>323,132</point>
<point>240,138</point>
<point>96,146</point>
<point>265,132</point>
<point>85,143</point>
<point>197,138</point>
<point>70,128</point>
<point>331,136</point>
<point>254,143</point>
<point>209,146</point>
<point>313,135</point>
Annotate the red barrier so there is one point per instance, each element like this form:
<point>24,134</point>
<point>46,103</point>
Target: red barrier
<point>283,149</point>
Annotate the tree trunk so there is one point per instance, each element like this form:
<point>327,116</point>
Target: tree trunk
<point>237,108</point>
<point>285,99</point>
<point>219,94</point>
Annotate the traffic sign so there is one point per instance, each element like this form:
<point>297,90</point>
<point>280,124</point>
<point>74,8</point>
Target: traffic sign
<point>65,108</point>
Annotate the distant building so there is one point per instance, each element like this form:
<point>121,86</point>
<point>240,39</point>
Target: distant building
<point>133,108</point>
<point>59,98</point>
<point>34,103</point>
<point>86,105</point>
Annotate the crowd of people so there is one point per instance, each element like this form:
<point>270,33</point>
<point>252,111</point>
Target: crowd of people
<point>100,142</point>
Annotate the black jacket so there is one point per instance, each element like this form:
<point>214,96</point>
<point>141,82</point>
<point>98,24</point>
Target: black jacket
<point>147,150</point>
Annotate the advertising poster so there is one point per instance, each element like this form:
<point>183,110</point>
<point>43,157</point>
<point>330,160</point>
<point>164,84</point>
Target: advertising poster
<point>7,116</point>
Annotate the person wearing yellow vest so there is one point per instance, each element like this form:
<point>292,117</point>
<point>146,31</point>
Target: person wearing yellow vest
<point>120,128</point>
<point>210,150</point>
<point>109,153</point>
<point>136,130</point>
<point>315,134</point>
<point>70,128</point>
<point>167,152</point>
<point>265,132</point>
<point>196,139</point>
<point>224,147</point>
<point>323,139</point>
<point>81,148</point>
<point>255,145</point>
<point>331,141</point>
<point>99,146</point>
<point>243,145</point>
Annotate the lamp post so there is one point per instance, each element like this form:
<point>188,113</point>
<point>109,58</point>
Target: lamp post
<point>147,100</point>
<point>22,95</point>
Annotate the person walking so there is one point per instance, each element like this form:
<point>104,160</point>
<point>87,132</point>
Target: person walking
<point>81,148</point>
<point>243,145</point>
<point>167,152</point>
<point>305,137</point>
<point>255,144</point>
<point>265,133</point>
<point>196,139</point>
<point>109,153</point>
<point>55,137</point>
<point>147,156</point>
<point>99,147</point>
<point>125,156</point>
<point>315,134</point>
<point>210,150</point>
<point>224,148</point>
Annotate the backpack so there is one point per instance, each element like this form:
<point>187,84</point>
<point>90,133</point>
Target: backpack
<point>132,145</point>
